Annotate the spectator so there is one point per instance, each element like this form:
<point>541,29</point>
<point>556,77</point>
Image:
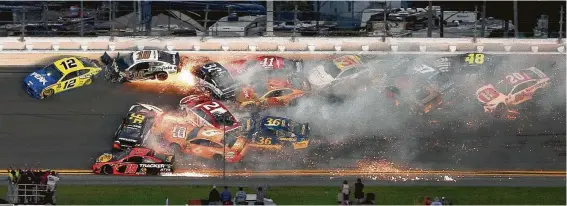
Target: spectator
<point>52,180</point>
<point>44,177</point>
<point>13,188</point>
<point>226,196</point>
<point>359,191</point>
<point>259,197</point>
<point>346,192</point>
<point>436,201</point>
<point>214,196</point>
<point>240,197</point>
<point>340,198</point>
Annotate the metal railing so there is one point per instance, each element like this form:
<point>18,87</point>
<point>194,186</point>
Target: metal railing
<point>26,193</point>
<point>295,20</point>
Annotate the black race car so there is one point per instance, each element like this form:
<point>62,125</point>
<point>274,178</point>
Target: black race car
<point>136,126</point>
<point>482,65</point>
<point>141,65</point>
<point>217,80</point>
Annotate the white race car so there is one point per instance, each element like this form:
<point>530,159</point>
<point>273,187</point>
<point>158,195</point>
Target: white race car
<point>339,69</point>
<point>514,89</point>
<point>141,65</point>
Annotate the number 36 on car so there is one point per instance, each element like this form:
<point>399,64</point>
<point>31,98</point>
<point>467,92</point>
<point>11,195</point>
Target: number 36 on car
<point>61,75</point>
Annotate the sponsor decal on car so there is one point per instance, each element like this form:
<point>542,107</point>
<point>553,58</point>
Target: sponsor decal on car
<point>40,78</point>
<point>152,165</point>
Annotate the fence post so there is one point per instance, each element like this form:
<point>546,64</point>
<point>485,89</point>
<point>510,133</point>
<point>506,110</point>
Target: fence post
<point>516,26</point>
<point>295,10</point>
<point>23,27</point>
<point>441,22</point>
<point>205,23</point>
<point>269,18</point>
<point>111,13</point>
<point>82,19</point>
<point>483,16</point>
<point>430,20</point>
<point>560,25</point>
<point>475,24</point>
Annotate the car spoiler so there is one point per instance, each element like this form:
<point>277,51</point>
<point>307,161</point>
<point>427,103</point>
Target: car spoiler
<point>106,59</point>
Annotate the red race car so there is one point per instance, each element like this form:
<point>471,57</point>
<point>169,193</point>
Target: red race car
<point>266,63</point>
<point>134,162</point>
<point>202,110</point>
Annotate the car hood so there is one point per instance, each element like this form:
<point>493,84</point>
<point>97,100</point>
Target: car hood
<point>318,77</point>
<point>39,80</point>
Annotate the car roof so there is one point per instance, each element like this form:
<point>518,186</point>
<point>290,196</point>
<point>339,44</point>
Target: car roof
<point>61,68</point>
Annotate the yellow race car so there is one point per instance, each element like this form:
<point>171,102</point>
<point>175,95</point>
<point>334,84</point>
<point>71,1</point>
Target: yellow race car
<point>64,74</point>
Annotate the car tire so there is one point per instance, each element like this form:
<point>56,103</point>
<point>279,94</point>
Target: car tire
<point>152,171</point>
<point>106,170</point>
<point>176,150</point>
<point>162,76</point>
<point>89,81</point>
<point>48,93</point>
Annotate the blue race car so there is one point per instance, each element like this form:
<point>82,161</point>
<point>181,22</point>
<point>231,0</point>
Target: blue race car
<point>277,133</point>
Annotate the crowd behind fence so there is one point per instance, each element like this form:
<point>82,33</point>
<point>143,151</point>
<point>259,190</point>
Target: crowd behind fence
<point>112,19</point>
<point>31,186</point>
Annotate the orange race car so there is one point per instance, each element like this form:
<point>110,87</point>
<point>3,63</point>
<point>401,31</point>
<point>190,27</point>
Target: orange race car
<point>206,142</point>
<point>274,94</point>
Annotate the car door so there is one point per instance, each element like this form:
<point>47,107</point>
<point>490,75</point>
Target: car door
<point>139,70</point>
<point>130,165</point>
<point>199,147</point>
<point>520,93</point>
<point>69,81</point>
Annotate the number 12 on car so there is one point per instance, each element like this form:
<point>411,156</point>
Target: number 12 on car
<point>70,84</point>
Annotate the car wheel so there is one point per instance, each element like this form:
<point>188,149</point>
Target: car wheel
<point>176,149</point>
<point>106,170</point>
<point>162,76</point>
<point>152,171</point>
<point>48,93</point>
<point>89,81</point>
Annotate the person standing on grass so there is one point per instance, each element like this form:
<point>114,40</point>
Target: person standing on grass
<point>241,197</point>
<point>52,180</point>
<point>340,198</point>
<point>226,196</point>
<point>214,196</point>
<point>358,191</point>
<point>259,197</point>
<point>346,192</point>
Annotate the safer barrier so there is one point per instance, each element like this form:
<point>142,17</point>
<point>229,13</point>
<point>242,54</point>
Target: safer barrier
<point>283,44</point>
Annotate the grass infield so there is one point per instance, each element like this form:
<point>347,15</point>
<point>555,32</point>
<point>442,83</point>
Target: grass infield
<point>389,195</point>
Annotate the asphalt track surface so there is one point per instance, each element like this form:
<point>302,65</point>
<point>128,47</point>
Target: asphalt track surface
<point>66,131</point>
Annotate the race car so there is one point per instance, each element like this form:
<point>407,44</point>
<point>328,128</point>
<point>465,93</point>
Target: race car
<point>134,162</point>
<point>64,74</point>
<point>216,79</point>
<point>271,132</point>
<point>206,142</point>
<point>136,126</point>
<point>274,94</point>
<point>141,65</point>
<point>202,110</point>
<point>514,89</point>
<point>422,89</point>
<point>341,69</point>
<point>267,63</point>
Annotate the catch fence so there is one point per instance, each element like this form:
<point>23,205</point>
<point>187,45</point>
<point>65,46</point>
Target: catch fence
<point>26,194</point>
<point>279,18</point>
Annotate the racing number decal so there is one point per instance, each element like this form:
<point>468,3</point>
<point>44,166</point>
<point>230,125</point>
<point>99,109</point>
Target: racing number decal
<point>275,122</point>
<point>268,62</point>
<point>137,118</point>
<point>131,169</point>
<point>264,140</point>
<point>212,67</point>
<point>179,132</point>
<point>475,59</point>
<point>70,84</point>
<point>517,77</point>
<point>144,54</point>
<point>69,64</point>
<point>211,107</point>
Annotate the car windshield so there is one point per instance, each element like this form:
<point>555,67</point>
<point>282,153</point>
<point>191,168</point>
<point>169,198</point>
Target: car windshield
<point>166,57</point>
<point>503,87</point>
<point>223,79</point>
<point>87,63</point>
<point>295,128</point>
<point>331,68</point>
<point>120,155</point>
<point>530,74</point>
<point>230,139</point>
<point>52,72</point>
<point>125,61</point>
<point>131,132</point>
